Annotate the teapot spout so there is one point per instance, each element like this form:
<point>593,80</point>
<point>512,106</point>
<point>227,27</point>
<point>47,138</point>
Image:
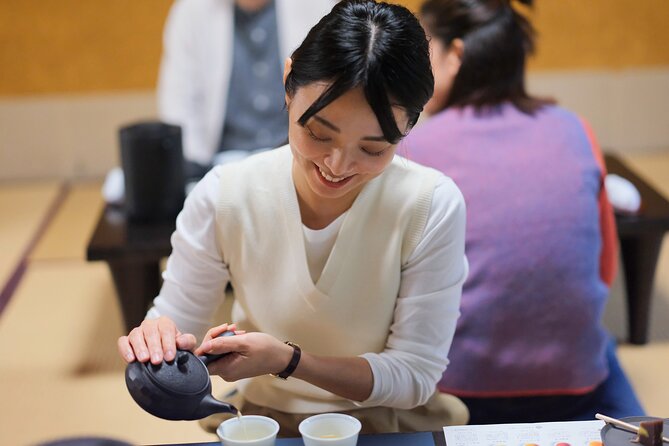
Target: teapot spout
<point>210,405</point>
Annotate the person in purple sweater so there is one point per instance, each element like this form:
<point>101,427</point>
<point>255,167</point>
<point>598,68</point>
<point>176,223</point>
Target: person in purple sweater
<point>541,240</point>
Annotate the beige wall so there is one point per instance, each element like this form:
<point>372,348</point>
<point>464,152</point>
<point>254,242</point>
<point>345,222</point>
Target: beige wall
<point>73,71</point>
<point>601,34</point>
<point>63,46</point>
<point>597,34</point>
<point>56,46</point>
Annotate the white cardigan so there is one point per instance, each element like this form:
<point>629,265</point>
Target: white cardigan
<point>406,365</point>
<point>197,63</point>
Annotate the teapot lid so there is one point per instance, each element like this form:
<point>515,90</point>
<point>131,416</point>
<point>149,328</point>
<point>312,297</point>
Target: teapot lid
<point>186,375</point>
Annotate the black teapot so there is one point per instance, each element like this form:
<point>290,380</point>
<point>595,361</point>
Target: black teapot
<point>178,389</point>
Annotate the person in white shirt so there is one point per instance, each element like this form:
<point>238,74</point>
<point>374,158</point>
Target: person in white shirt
<point>220,79</point>
<point>332,242</point>
<point>220,74</point>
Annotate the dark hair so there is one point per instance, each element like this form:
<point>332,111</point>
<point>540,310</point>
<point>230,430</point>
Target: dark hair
<point>377,46</point>
<point>497,40</point>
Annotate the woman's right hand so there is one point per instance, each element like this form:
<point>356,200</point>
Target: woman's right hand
<point>154,340</point>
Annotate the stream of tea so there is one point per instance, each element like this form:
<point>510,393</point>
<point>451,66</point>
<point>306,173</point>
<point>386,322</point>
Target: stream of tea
<point>245,434</point>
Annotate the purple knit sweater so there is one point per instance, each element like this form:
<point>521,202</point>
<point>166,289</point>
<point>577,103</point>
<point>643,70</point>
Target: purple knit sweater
<point>533,301</point>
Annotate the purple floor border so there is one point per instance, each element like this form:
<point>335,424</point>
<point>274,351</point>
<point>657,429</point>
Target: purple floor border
<point>15,278</point>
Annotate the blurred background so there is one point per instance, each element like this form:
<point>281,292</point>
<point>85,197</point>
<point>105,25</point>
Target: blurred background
<point>72,72</point>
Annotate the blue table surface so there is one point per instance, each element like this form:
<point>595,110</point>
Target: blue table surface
<point>412,439</point>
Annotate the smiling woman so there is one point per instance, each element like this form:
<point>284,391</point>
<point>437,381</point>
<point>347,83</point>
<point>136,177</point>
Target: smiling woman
<point>329,242</point>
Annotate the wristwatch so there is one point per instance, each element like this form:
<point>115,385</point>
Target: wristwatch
<point>294,361</point>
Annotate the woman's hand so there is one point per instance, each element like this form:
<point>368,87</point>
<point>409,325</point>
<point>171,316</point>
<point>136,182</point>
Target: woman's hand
<point>154,340</point>
<point>255,354</point>
<point>251,354</point>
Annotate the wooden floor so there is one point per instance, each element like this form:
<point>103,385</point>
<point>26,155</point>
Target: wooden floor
<point>60,375</point>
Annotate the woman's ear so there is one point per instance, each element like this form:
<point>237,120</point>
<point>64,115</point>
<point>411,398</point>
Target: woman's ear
<point>455,53</point>
<point>446,61</point>
<point>287,67</point>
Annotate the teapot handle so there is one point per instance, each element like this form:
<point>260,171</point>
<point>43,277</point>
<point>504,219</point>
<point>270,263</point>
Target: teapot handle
<point>208,359</point>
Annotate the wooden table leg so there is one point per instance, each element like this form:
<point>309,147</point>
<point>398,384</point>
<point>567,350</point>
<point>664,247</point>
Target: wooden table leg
<point>639,255</point>
<point>137,284</point>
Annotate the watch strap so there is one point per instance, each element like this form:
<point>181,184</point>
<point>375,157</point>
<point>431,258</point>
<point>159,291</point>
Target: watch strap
<point>294,361</point>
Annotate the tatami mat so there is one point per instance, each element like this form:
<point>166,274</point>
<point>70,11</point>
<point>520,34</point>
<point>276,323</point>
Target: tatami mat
<point>22,209</point>
<point>58,344</point>
<point>69,232</point>
<point>61,316</point>
<point>647,366</point>
<point>38,407</point>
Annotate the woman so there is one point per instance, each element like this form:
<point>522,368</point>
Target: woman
<point>529,345</point>
<point>330,243</point>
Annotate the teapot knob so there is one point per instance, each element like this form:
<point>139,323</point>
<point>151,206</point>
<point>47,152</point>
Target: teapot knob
<point>182,358</point>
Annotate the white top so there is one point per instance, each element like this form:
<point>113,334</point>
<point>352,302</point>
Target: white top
<point>424,317</point>
<point>318,244</point>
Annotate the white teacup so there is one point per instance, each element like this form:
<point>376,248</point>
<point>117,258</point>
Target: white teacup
<point>250,430</point>
<point>330,429</point>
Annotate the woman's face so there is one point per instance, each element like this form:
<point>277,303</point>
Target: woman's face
<point>340,148</point>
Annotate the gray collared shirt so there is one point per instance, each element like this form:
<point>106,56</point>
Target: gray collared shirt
<point>255,115</point>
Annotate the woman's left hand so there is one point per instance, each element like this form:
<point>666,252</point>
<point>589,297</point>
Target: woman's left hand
<point>251,354</point>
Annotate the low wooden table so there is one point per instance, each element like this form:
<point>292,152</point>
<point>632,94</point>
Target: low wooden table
<point>133,252</point>
<point>640,238</point>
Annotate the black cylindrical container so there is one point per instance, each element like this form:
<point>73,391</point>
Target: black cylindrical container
<point>153,165</point>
